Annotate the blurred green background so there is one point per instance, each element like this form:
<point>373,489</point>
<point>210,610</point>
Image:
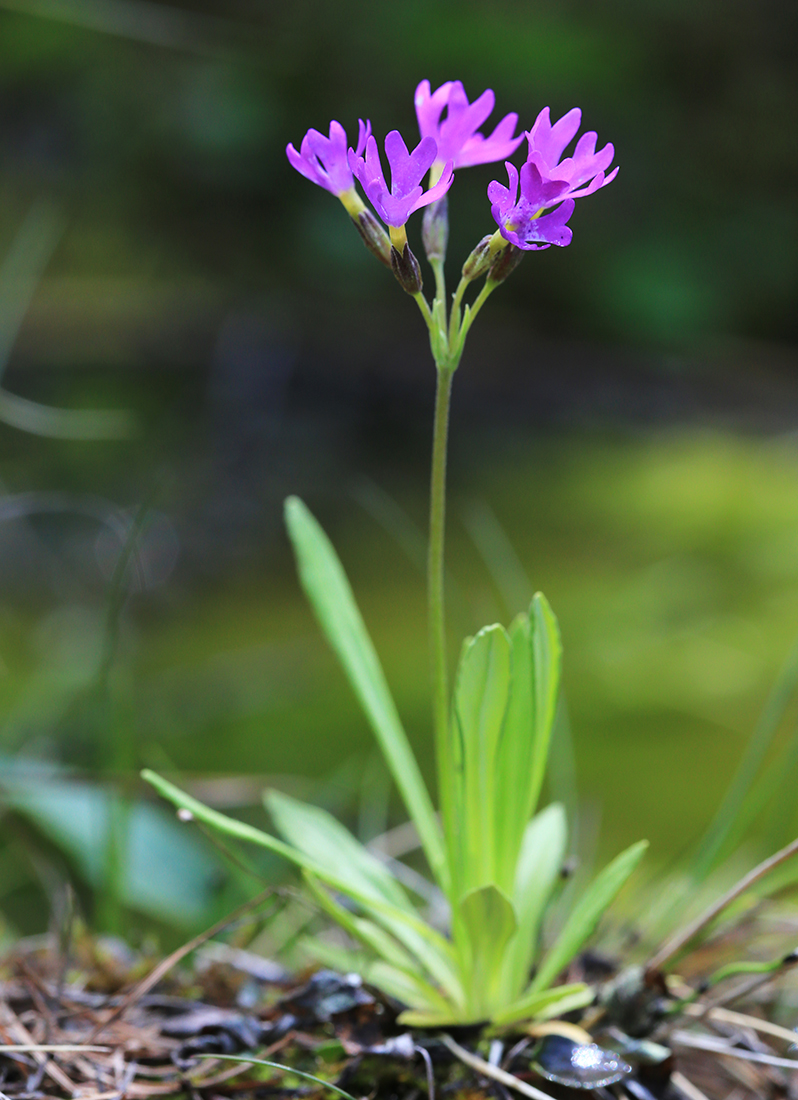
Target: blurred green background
<point>189,331</point>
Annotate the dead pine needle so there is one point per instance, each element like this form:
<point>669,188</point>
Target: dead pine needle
<point>740,1019</point>
<point>163,967</point>
<point>425,1055</point>
<point>721,1046</point>
<point>675,944</point>
<point>487,1070</point>
<point>686,1087</point>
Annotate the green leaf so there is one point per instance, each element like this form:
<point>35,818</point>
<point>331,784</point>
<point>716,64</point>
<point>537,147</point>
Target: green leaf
<point>548,1002</point>
<point>319,835</point>
<point>537,872</point>
<point>586,914</point>
<point>413,1018</point>
<point>514,764</point>
<point>408,988</point>
<point>328,590</point>
<point>396,972</point>
<point>578,999</point>
<point>354,869</point>
<point>166,872</point>
<point>480,702</point>
<point>526,736</point>
<point>367,932</point>
<point>312,950</point>
<point>547,658</point>
<point>427,944</point>
<point>485,921</point>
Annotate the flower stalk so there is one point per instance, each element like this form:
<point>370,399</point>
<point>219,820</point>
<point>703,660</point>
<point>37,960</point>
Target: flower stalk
<point>435,574</point>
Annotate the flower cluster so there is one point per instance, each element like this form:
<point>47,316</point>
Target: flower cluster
<point>531,213</point>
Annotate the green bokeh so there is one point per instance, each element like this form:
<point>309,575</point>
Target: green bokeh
<point>625,412</point>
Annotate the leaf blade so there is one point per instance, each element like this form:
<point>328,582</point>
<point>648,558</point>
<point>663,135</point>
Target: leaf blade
<point>413,932</point>
<point>539,862</point>
<point>535,1004</point>
<point>317,833</point>
<point>586,914</point>
<point>547,660</point>
<point>328,590</point>
<point>485,922</point>
<point>480,704</point>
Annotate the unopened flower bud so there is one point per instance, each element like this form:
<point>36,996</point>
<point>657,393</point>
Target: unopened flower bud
<point>479,261</point>
<point>505,263</point>
<point>435,229</point>
<point>374,236</point>
<point>406,269</point>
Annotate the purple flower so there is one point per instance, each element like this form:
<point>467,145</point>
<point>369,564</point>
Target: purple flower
<point>456,136</point>
<point>522,221</point>
<point>324,160</point>
<point>405,195</point>
<point>548,181</point>
<point>584,172</point>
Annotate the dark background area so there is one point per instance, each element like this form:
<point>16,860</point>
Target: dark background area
<point>623,421</point>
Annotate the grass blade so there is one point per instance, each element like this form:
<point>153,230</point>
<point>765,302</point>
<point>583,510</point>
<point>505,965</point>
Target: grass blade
<point>731,814</point>
<point>284,1069</point>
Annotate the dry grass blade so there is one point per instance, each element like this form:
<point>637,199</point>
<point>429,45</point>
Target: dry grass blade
<point>53,1048</point>
<point>675,944</point>
<point>487,1070</point>
<point>163,967</point>
<point>425,1056</point>
<point>687,1088</point>
<point>740,1019</point>
<point>17,1029</point>
<point>720,1046</point>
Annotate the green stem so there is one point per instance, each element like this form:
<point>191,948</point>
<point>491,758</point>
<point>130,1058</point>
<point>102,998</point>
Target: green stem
<point>468,321</point>
<point>454,318</point>
<point>437,523</point>
<point>423,305</point>
<point>440,280</point>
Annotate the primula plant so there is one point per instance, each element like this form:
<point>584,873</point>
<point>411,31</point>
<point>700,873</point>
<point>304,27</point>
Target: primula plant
<point>493,858</point>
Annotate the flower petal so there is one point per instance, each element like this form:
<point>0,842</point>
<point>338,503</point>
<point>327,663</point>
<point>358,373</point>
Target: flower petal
<point>437,191</point>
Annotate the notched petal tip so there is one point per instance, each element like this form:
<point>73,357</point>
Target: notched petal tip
<point>363,134</point>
